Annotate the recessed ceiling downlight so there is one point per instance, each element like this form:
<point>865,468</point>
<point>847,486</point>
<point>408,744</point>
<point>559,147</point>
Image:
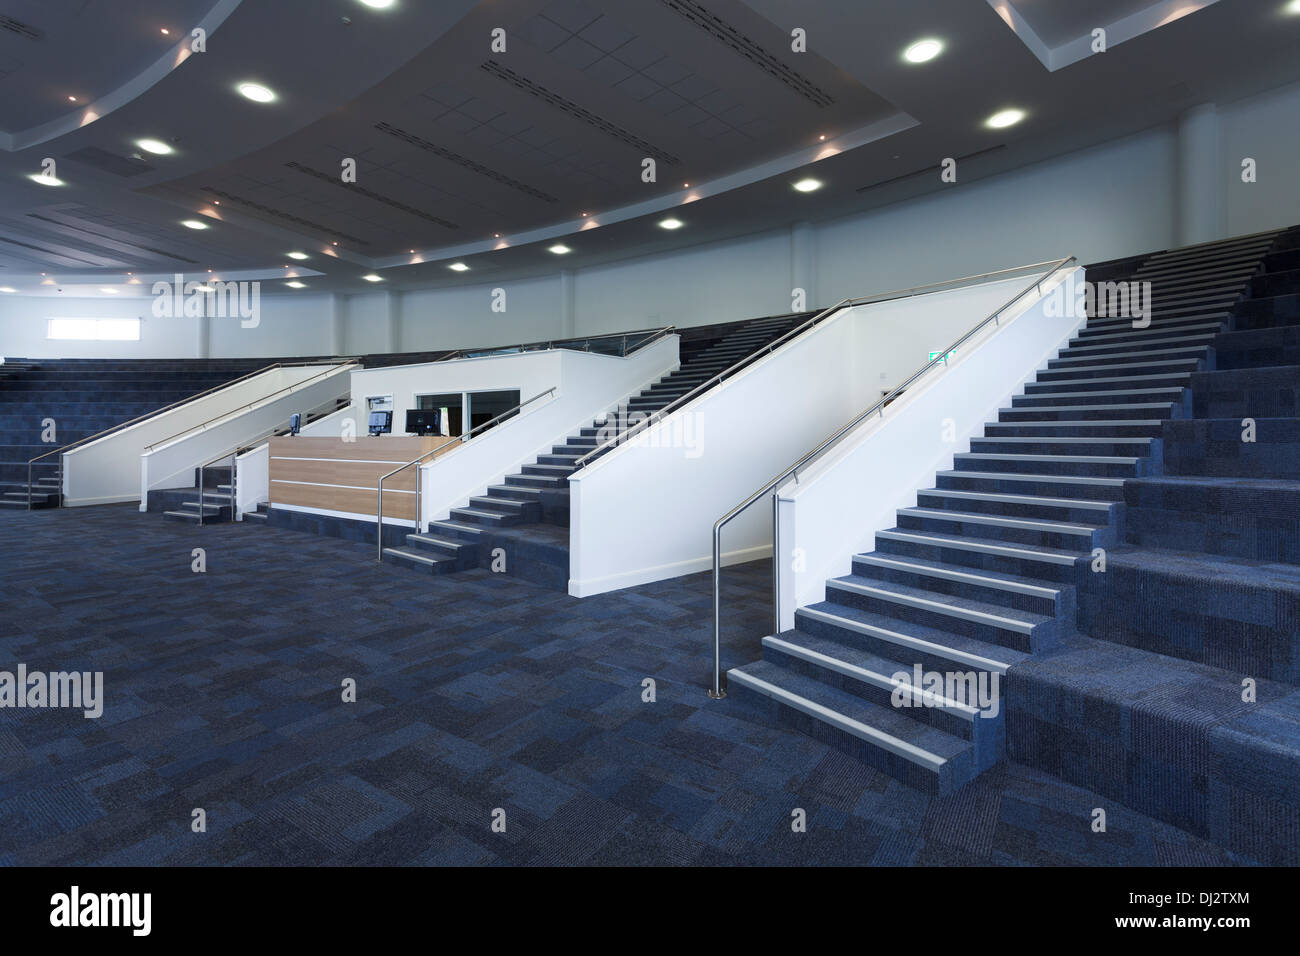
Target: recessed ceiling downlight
<point>559,249</point>
<point>808,185</point>
<point>1004,118</point>
<point>193,224</point>
<point>458,267</point>
<point>923,51</point>
<point>378,4</point>
<point>672,222</point>
<point>296,285</point>
<point>373,278</point>
<point>297,255</point>
<point>256,92</point>
<point>45,180</point>
<point>155,146</point>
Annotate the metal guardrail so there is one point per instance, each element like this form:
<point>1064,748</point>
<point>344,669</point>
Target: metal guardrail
<point>379,510</point>
<point>717,690</point>
<point>650,336</point>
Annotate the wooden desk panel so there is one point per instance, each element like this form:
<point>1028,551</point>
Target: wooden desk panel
<point>333,475</point>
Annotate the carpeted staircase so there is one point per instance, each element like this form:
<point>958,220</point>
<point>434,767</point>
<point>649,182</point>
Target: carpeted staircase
<point>987,574</point>
<point>525,520</point>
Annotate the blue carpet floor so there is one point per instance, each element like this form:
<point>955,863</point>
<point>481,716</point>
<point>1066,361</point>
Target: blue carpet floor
<point>476,692</point>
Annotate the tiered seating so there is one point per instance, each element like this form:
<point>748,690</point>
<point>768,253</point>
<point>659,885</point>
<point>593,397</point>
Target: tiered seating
<point>84,397</point>
<point>531,509</point>
<point>987,573</point>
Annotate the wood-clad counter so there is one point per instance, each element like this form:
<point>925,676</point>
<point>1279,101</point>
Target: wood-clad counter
<point>331,474</point>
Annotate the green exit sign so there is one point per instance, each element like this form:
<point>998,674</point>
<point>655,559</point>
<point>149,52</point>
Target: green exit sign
<point>935,355</point>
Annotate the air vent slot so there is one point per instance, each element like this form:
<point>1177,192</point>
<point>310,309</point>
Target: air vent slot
<point>370,194</point>
<point>99,235</point>
<point>20,28</point>
<point>931,169</point>
<point>108,162</point>
<point>284,216</point>
<point>723,31</point>
<point>451,157</point>
<point>579,113</point>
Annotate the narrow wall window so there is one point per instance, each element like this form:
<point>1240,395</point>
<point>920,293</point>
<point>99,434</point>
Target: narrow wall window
<point>94,330</point>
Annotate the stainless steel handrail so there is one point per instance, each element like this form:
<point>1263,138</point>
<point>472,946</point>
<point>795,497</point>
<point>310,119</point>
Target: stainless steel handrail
<point>547,344</point>
<point>752,357</point>
<point>716,691</point>
<point>333,367</point>
<point>379,508</point>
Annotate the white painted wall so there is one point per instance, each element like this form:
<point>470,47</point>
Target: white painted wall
<point>171,464</point>
<point>645,511</point>
<point>108,469</point>
<point>1265,128</point>
<point>833,511</point>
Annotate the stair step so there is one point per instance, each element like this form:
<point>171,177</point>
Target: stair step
<point>910,750</point>
<point>1031,531</point>
<point>1100,466</point>
<point>1114,427</point>
<point>1066,510</point>
<point>990,587</point>
<point>431,563</point>
<point>1031,562</point>
<point>904,641</point>
<point>1097,413</point>
<point>1127,396</point>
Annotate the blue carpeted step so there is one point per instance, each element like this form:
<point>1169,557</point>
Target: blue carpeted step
<point>1098,413</point>
<point>1089,487</point>
<point>1253,518</point>
<point>1108,383</point>
<point>423,561</point>
<point>480,516</point>
<point>1072,445</point>
<point>905,641</point>
<point>1262,392</point>
<point>1099,466</point>
<point>1031,562</point>
<point>1106,358</point>
<point>1113,428</point>
<point>1135,366</point>
<point>1127,396</point>
<point>992,623</point>
<point>885,738</point>
<point>1031,531</point>
<point>1258,348</point>
<point>456,531</point>
<point>1229,447</point>
<point>1160,340</point>
<point>1047,508</point>
<point>878,680</point>
<point>990,587</point>
<point>1148,337</point>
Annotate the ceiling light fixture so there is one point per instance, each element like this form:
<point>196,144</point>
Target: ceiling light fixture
<point>1004,118</point>
<point>256,92</point>
<point>165,32</point>
<point>1293,7</point>
<point>7,288</point>
<point>808,185</point>
<point>107,291</point>
<point>193,224</point>
<point>373,278</point>
<point>559,249</point>
<point>296,285</point>
<point>72,99</point>
<point>155,146</point>
<point>923,51</point>
<point>378,4</point>
<point>45,180</point>
<point>298,255</point>
<point>671,223</point>
<point>458,267</point>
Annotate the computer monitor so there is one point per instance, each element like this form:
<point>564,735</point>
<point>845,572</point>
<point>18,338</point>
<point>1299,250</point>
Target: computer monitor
<point>381,423</point>
<point>424,421</point>
<point>295,423</point>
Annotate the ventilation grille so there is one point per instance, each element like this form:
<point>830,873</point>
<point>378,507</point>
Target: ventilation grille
<point>48,252</point>
<point>114,239</point>
<point>20,28</point>
<point>577,112</point>
<point>451,157</point>
<point>721,30</point>
<point>102,159</point>
<point>284,216</point>
<point>370,194</point>
<point>929,170</point>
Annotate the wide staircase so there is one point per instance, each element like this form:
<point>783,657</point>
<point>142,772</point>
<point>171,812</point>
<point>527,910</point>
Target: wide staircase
<point>527,516</point>
<point>83,397</point>
<point>984,575</point>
